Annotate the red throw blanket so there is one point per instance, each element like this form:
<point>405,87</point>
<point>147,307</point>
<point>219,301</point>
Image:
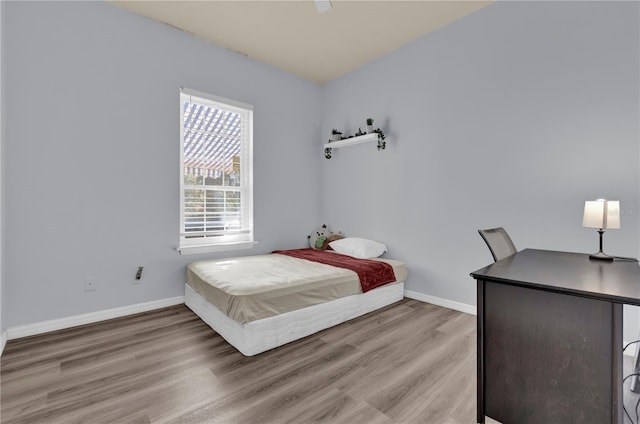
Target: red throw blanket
<point>372,274</point>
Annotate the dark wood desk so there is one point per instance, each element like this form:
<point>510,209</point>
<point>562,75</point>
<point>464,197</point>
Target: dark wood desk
<point>550,337</point>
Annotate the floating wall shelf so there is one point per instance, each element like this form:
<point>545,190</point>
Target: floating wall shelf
<point>353,141</point>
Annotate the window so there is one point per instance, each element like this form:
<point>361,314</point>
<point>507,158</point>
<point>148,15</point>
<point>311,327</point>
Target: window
<point>216,211</point>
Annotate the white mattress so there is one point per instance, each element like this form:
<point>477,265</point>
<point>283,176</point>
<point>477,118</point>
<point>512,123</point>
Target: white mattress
<point>261,335</point>
<point>260,286</point>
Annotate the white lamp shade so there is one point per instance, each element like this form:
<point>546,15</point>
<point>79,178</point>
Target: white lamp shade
<point>601,213</point>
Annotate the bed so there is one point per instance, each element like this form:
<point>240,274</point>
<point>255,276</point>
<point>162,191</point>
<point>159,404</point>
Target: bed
<point>260,302</point>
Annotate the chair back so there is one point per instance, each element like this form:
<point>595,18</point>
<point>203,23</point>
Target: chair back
<point>499,242</point>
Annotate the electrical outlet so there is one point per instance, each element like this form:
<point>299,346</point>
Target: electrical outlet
<point>90,284</point>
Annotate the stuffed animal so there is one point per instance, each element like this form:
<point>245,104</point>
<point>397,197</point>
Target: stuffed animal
<point>318,237</point>
<point>321,238</point>
<point>332,237</point>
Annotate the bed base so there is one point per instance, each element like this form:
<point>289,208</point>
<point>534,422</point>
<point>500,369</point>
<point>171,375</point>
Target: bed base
<point>264,334</point>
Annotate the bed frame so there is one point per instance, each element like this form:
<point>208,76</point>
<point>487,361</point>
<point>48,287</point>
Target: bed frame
<point>258,336</point>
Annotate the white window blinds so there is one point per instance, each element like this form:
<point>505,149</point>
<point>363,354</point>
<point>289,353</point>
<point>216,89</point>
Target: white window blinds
<point>216,195</point>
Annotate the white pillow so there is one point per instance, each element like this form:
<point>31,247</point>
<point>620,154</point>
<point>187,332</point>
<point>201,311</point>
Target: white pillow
<point>358,247</point>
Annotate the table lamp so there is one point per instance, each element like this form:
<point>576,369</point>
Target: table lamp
<point>601,214</point>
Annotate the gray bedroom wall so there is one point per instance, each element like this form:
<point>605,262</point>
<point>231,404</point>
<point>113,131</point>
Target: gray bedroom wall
<point>2,109</point>
<point>512,116</point>
<point>92,150</point>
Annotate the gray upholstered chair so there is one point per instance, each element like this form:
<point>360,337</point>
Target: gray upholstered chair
<point>499,243</point>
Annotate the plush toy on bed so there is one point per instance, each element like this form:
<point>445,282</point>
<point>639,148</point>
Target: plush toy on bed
<point>317,238</point>
<point>321,238</point>
<point>330,238</point>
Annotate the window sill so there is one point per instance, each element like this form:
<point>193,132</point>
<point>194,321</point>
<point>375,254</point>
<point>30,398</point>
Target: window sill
<point>218,247</point>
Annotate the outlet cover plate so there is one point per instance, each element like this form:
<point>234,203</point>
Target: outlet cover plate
<point>90,284</point>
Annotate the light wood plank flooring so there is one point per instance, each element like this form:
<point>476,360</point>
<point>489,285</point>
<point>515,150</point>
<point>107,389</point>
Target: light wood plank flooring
<point>411,362</point>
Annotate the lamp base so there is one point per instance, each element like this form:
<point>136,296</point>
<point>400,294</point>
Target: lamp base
<point>601,256</point>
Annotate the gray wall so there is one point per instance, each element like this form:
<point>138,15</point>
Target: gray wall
<point>498,119</point>
<point>92,183</point>
<point>2,179</point>
<point>512,116</point>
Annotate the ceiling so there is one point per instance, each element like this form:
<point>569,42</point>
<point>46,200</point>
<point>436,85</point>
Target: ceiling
<point>293,36</point>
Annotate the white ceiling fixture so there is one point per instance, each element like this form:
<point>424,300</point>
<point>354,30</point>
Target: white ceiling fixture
<point>293,36</point>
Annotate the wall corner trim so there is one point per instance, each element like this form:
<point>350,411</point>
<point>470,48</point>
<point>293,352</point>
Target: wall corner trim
<point>446,303</point>
<point>89,318</point>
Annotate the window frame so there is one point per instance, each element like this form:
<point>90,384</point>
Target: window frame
<point>239,240</point>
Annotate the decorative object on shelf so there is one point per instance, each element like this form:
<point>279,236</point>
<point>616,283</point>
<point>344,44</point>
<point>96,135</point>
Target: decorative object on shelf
<point>359,138</point>
<point>601,214</point>
<point>335,135</point>
<point>369,125</point>
<point>381,143</point>
<point>359,133</point>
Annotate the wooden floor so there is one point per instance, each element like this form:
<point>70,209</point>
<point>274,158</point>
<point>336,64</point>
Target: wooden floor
<point>411,362</point>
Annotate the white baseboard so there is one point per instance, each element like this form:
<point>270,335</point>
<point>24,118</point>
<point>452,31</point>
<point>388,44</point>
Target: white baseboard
<point>446,303</point>
<point>73,321</point>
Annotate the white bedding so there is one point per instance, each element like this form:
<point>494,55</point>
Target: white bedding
<point>260,302</point>
<point>256,287</point>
